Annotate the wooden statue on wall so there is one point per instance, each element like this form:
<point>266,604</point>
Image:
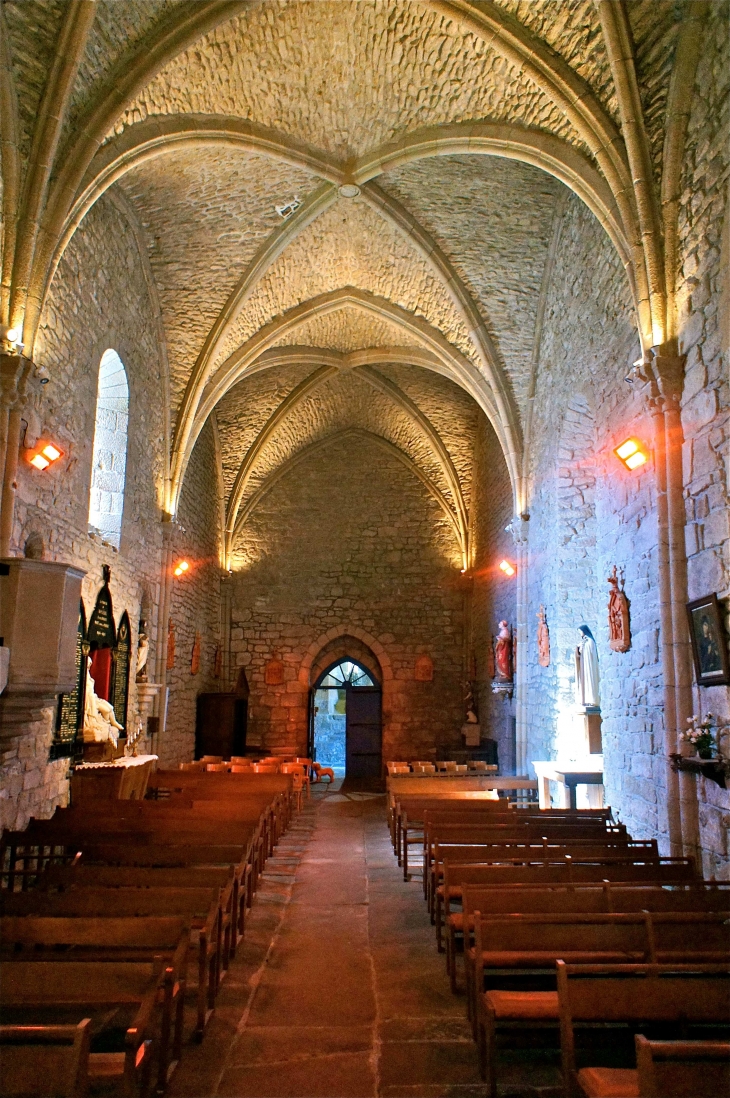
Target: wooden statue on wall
<point>195,656</point>
<point>503,653</point>
<point>423,671</point>
<point>619,625</point>
<point>170,645</point>
<point>543,639</point>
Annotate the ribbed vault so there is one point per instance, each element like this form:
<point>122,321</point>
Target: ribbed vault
<point>348,220</point>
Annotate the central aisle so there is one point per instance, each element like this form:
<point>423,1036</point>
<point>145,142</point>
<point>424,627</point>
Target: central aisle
<point>337,989</point>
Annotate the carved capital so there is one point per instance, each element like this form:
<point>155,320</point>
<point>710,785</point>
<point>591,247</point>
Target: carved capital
<point>14,373</point>
<point>658,379</point>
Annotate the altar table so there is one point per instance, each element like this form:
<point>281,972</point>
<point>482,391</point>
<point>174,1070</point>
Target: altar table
<point>587,771</point>
<point>122,779</point>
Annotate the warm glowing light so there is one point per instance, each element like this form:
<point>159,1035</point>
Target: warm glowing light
<point>632,453</point>
<point>13,335</point>
<point>182,568</point>
<point>507,568</point>
<point>51,452</point>
<point>39,461</point>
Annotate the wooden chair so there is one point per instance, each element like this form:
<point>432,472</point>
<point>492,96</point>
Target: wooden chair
<point>682,1069</point>
<point>265,768</point>
<point>644,994</point>
<point>198,764</point>
<point>211,759</point>
<point>216,768</point>
<point>47,1061</point>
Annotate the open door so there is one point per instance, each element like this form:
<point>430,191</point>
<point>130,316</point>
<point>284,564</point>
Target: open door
<point>364,732</point>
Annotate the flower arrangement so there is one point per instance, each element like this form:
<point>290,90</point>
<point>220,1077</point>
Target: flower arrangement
<point>701,734</point>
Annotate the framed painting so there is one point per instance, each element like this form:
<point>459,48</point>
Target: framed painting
<point>709,644</point>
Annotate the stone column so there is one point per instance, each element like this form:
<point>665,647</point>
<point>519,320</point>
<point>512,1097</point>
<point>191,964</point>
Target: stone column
<point>658,379</point>
<point>519,528</point>
<point>163,618</point>
<point>14,371</point>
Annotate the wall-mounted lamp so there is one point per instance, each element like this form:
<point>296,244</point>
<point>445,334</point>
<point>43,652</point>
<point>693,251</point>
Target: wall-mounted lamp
<point>181,568</point>
<point>44,454</point>
<point>632,453</point>
<point>507,568</point>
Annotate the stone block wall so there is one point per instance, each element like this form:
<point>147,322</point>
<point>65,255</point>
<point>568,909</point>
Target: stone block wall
<point>349,542</point>
<point>99,299</point>
<point>493,593</point>
<point>588,513</point>
<point>704,337</point>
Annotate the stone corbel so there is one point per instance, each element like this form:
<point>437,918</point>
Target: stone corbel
<point>519,529</point>
<point>658,379</point>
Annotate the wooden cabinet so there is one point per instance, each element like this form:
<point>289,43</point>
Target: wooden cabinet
<point>220,727</point>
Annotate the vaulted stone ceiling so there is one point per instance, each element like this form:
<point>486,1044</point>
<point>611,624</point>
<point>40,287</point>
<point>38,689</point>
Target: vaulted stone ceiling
<point>331,248</point>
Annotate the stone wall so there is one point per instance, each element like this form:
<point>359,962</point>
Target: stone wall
<point>588,513</point>
<point>99,299</point>
<point>349,542</point>
<point>493,593</point>
<point>704,291</point>
<point>194,606</point>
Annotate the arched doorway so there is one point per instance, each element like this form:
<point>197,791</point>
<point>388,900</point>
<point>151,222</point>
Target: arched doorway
<point>346,719</point>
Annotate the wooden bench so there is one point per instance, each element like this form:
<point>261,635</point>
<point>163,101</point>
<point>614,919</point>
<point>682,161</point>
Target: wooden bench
<point>532,846</point>
<point>591,995</point>
<point>606,897</point>
<point>200,907</point>
<point>32,938</point>
<point>675,1069</point>
<point>45,1061</point>
<point>566,871</point>
<point>540,942</point>
<point>60,992</point>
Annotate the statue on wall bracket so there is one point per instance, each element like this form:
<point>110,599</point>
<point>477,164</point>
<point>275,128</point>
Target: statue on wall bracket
<point>502,682</point>
<point>543,639</point>
<point>619,625</point>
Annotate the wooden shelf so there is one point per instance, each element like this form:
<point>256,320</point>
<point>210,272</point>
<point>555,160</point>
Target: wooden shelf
<point>716,770</point>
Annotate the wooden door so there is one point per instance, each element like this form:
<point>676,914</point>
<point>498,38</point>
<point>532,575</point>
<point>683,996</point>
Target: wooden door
<point>364,732</point>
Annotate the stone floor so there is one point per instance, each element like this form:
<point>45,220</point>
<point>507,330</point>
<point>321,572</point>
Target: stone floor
<point>337,989</point>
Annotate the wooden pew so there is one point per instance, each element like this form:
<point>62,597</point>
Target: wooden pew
<point>59,992</point>
<point>536,942</point>
<point>557,842</point>
<point>32,938</point>
<point>675,1069</point>
<point>565,871</point>
<point>604,897</point>
<point>594,994</point>
<point>45,1061</point>
<point>200,907</point>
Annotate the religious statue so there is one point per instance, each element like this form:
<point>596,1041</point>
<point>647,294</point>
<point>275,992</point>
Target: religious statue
<point>143,651</point>
<point>471,729</point>
<point>503,653</point>
<point>619,628</point>
<point>100,723</point>
<point>586,670</point>
<point>543,639</point>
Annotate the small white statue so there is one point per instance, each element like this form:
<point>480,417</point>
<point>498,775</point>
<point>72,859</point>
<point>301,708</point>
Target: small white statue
<point>586,670</point>
<point>100,723</point>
